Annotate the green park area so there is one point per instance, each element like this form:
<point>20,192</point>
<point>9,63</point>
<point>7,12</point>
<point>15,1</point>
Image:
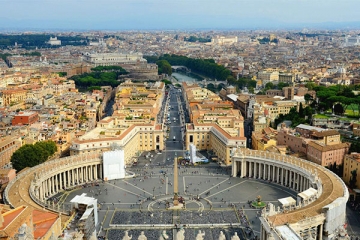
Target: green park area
<point>99,76</point>
<point>335,100</point>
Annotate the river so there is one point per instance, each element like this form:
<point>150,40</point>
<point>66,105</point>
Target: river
<point>182,77</point>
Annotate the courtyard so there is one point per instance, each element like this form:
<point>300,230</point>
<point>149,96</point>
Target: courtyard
<point>213,202</point>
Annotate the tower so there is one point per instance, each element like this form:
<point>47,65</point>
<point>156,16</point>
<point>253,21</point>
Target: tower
<point>176,190</point>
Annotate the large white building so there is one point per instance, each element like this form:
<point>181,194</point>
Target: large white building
<point>110,59</point>
<point>54,41</point>
<point>350,41</point>
<point>220,40</point>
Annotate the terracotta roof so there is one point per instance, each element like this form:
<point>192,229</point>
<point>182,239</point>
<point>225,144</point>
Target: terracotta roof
<point>13,219</point>
<point>43,221</point>
<point>325,148</point>
<point>325,133</point>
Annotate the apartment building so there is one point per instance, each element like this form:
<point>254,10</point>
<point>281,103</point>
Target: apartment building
<point>351,163</point>
<point>132,126</point>
<point>292,139</point>
<point>321,146</point>
<point>111,133</point>
<point>289,93</point>
<point>12,96</point>
<point>245,103</point>
<point>280,107</point>
<point>262,140</point>
<point>215,124</point>
<point>268,76</point>
<point>327,154</point>
<point>8,145</point>
<point>25,118</point>
<point>286,77</point>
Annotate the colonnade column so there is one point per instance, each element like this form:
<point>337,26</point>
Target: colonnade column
<point>47,186</point>
<point>101,172</point>
<point>41,192</point>
<point>86,174</point>
<point>56,182</point>
<point>250,169</point>
<point>298,182</point>
<point>255,169</point>
<point>320,232</point>
<point>264,171</point>
<point>73,177</point>
<point>77,176</point>
<point>234,168</point>
<point>52,185</point>
<point>82,178</point>
<point>243,168</point>
<point>60,181</point>
<point>91,173</point>
<point>44,187</point>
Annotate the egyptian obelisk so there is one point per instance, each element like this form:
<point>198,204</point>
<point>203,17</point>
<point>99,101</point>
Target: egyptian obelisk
<point>176,190</point>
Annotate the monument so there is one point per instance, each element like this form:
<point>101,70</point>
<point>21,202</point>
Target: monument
<point>176,189</point>
<point>178,202</point>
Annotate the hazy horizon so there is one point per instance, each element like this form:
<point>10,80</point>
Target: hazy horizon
<point>178,14</point>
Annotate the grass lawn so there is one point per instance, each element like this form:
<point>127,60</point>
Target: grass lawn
<point>351,113</point>
<point>321,116</point>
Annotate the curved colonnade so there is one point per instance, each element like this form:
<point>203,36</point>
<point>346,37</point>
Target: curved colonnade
<point>35,185</point>
<point>320,216</point>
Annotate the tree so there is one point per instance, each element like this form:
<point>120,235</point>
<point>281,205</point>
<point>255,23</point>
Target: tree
<point>164,67</point>
<point>301,111</point>
<point>281,85</point>
<point>310,85</point>
<point>269,85</point>
<point>62,74</point>
<point>308,98</point>
<point>166,81</point>
<point>31,155</point>
<point>352,182</point>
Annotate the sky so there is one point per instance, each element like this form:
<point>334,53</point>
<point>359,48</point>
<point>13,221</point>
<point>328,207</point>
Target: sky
<point>177,14</point>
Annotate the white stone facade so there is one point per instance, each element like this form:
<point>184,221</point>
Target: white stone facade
<point>110,59</point>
